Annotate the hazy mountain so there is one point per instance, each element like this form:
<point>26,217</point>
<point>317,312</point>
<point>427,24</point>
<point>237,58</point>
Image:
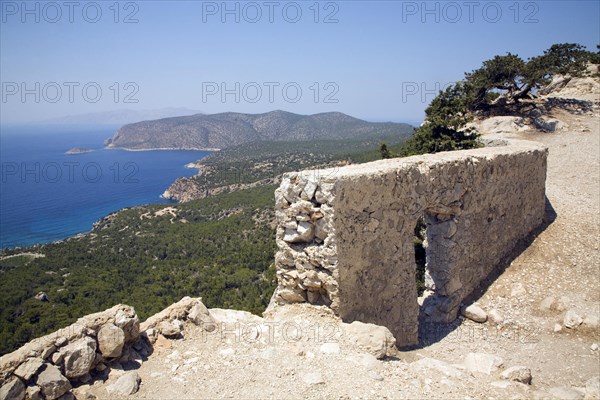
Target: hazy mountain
<point>120,117</point>
<point>229,129</point>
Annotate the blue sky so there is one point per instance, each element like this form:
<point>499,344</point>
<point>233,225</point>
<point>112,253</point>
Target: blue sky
<point>377,60</point>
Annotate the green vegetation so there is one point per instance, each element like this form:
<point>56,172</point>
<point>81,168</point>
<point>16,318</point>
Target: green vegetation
<point>508,79</point>
<point>220,248</point>
<point>257,161</point>
<point>445,126</point>
<point>229,129</point>
<point>499,87</point>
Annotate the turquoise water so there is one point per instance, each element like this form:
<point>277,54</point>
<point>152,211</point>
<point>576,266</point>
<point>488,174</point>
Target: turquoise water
<point>47,195</point>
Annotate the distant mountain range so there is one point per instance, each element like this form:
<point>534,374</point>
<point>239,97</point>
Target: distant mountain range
<point>218,131</point>
<point>120,117</point>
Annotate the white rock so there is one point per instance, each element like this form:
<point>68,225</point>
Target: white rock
<point>375,376</point>
<point>438,365</point>
<point>302,217</point>
<point>330,348</point>
<point>287,190</point>
<point>564,393</point>
<point>374,339</point>
<point>503,125</point>
<point>517,373</point>
<point>227,352</point>
<point>305,231</point>
<point>501,384</point>
<point>128,320</point>
<point>41,296</point>
<point>557,327</point>
<point>572,319</point>
<point>268,353</point>
<point>309,190</point>
<point>290,236</point>
<point>78,357</point>
<point>312,378</point>
<point>549,124</point>
<point>29,368</point>
<point>52,383</point>
<point>495,317</point>
<point>594,347</point>
<point>170,329</point>
<point>200,315</point>
<point>111,339</point>
<point>482,362</point>
<point>518,290</point>
<point>474,313</point>
<point>547,304</point>
<point>127,384</point>
<point>290,295</point>
<point>291,225</point>
<point>364,359</point>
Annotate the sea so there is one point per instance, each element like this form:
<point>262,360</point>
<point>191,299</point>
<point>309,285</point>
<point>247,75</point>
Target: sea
<point>47,195</point>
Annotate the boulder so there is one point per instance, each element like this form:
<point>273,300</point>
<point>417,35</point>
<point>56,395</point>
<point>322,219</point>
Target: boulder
<point>482,363</point>
<point>128,321</point>
<point>128,383</point>
<point>29,368</point>
<point>199,315</point>
<point>171,329</point>
<point>374,339</point>
<point>78,357</point>
<point>517,373</point>
<point>497,125</point>
<point>14,389</point>
<point>111,340</point>
<point>52,383</point>
<point>548,124</point>
<point>474,313</point>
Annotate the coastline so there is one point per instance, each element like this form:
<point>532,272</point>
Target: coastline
<point>164,148</point>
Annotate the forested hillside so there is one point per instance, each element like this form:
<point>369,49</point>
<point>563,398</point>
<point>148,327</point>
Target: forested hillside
<point>229,129</point>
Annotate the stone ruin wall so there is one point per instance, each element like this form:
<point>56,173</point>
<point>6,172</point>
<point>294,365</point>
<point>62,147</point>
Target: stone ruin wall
<point>345,236</point>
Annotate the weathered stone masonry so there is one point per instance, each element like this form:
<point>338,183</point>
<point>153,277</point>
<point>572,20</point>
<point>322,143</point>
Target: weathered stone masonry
<point>345,236</point>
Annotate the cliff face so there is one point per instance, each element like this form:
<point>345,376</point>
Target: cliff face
<point>223,130</point>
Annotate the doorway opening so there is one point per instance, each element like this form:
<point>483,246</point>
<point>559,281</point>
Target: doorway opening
<point>420,244</point>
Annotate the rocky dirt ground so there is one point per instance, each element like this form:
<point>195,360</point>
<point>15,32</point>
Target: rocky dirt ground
<point>542,316</point>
